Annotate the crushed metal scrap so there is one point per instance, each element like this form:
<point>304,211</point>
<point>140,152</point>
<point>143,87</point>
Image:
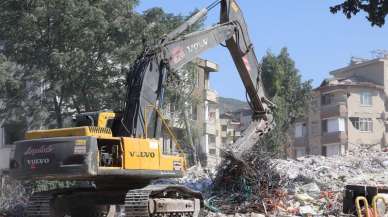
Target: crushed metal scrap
<point>308,186</point>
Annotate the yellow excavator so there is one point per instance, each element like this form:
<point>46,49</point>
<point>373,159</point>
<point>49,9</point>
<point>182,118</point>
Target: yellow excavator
<point>122,152</point>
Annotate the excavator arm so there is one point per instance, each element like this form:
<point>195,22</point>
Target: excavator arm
<point>147,77</point>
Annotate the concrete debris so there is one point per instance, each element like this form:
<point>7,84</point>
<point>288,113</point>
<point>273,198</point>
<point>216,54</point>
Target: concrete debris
<point>308,186</point>
<point>12,205</point>
<point>334,173</point>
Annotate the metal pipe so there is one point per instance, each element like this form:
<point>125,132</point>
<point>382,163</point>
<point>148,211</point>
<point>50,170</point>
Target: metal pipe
<point>191,21</point>
<point>212,5</point>
<point>358,206</point>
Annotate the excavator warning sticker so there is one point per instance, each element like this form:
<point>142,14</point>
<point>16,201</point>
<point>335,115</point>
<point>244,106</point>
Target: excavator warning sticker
<point>177,165</point>
<point>177,54</point>
<point>246,63</point>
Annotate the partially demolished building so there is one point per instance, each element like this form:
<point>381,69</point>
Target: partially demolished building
<point>346,110</point>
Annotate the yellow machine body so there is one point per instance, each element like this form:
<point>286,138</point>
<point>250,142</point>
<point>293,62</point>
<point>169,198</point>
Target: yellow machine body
<point>103,154</point>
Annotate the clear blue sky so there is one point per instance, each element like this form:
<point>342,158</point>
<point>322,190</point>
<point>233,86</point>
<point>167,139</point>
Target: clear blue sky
<point>317,40</point>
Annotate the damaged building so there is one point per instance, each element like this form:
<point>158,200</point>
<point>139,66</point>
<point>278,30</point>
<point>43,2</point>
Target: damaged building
<point>346,110</point>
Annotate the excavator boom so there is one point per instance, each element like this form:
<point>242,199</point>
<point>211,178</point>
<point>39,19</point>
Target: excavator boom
<point>148,75</point>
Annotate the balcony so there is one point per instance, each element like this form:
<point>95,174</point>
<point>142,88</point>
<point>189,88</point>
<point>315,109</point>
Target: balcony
<point>335,110</point>
<point>334,137</point>
<point>172,119</point>
<point>211,95</point>
<point>210,128</point>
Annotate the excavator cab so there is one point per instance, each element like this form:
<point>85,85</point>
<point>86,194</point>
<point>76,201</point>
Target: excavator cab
<point>103,119</point>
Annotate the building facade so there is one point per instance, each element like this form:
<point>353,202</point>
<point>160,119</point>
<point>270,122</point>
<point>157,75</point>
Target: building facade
<point>346,111</point>
<point>204,118</point>
<point>206,115</point>
<point>230,129</point>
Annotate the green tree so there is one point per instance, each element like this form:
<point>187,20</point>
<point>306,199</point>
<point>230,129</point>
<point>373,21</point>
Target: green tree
<point>74,47</point>
<point>377,10</point>
<point>284,86</point>
<point>78,51</point>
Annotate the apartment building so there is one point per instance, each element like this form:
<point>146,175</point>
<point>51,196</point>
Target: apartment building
<point>230,129</point>
<point>204,116</point>
<point>347,110</point>
<point>244,117</point>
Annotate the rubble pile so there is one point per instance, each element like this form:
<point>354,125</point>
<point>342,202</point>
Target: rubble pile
<point>315,184</point>
<point>365,167</point>
<point>246,185</point>
<point>12,205</point>
<point>311,185</point>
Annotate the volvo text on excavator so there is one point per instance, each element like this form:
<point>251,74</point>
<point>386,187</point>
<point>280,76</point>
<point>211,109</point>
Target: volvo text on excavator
<point>122,152</point>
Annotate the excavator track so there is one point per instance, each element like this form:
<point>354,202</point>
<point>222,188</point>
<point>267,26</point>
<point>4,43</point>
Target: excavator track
<point>136,203</point>
<point>151,201</point>
<point>39,205</point>
<point>163,201</point>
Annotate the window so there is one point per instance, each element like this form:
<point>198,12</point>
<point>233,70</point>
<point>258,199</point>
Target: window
<point>212,116</point>
<point>223,140</point>
<point>167,145</point>
<point>300,129</point>
<point>362,124</point>
<point>212,139</point>
<point>326,99</point>
<point>212,151</point>
<point>333,125</point>
<point>366,98</point>
<point>224,128</point>
<point>355,122</point>
<point>366,125</point>
<point>324,126</point>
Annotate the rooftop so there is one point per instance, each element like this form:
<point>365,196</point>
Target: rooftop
<point>349,81</point>
<point>358,63</point>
